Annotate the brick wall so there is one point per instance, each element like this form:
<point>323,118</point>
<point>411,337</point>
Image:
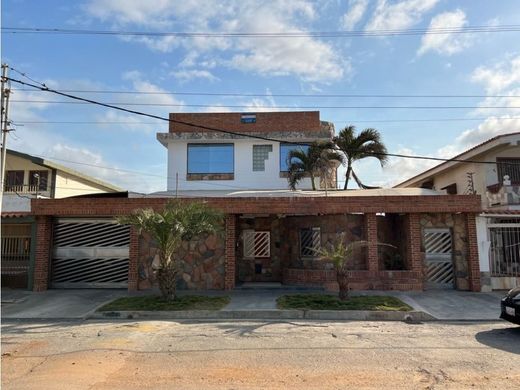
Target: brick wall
<point>371,238</point>
<point>133,260</point>
<point>42,255</point>
<point>358,280</point>
<point>472,253</point>
<point>265,122</point>
<point>108,207</point>
<point>230,265</point>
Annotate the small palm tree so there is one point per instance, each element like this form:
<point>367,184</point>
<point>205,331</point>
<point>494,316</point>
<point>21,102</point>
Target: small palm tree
<point>316,161</point>
<point>178,221</point>
<point>341,253</point>
<point>367,143</point>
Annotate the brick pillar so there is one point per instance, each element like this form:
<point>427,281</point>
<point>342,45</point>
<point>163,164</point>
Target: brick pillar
<point>472,253</point>
<point>133,262</point>
<point>230,237</point>
<point>371,238</point>
<point>414,256</point>
<point>43,253</point>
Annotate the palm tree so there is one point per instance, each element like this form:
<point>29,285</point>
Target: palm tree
<point>317,160</point>
<point>367,143</point>
<point>341,253</point>
<point>178,221</point>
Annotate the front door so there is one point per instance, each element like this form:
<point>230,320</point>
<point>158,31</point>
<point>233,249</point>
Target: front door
<point>438,258</point>
<point>257,263</point>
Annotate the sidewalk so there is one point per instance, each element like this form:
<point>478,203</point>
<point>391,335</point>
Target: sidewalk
<point>79,304</point>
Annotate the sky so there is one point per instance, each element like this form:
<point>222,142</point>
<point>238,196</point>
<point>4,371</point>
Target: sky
<point>122,148</point>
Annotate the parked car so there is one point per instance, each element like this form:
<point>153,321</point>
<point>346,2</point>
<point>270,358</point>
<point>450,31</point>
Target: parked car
<point>511,306</point>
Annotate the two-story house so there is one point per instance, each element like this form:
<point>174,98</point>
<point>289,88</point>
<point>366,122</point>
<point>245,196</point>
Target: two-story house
<point>201,159</point>
<point>28,177</point>
<point>493,172</point>
<point>237,163</point>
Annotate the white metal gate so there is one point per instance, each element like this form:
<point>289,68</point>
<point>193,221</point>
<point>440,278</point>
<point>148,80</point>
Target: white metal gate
<point>438,258</point>
<point>505,249</point>
<point>90,253</point>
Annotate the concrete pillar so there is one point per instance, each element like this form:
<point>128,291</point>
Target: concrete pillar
<point>43,253</point>
<point>371,238</point>
<point>230,265</point>
<point>133,260</point>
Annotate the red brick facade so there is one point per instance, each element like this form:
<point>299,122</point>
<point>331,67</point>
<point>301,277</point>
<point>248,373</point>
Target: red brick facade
<point>372,277</point>
<point>230,265</point>
<point>133,260</point>
<point>473,262</point>
<point>371,238</point>
<point>42,255</point>
<point>304,121</point>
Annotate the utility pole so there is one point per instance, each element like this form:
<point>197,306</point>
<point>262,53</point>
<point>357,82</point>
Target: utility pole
<point>6,91</point>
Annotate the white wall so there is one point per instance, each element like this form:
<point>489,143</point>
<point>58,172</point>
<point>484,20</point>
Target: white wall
<point>483,243</point>
<point>244,176</point>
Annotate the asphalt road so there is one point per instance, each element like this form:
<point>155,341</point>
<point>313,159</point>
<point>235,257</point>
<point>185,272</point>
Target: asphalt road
<point>259,355</point>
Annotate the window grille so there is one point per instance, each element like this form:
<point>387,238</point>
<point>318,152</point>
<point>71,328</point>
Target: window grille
<point>257,244</point>
<point>260,155</point>
<point>310,242</point>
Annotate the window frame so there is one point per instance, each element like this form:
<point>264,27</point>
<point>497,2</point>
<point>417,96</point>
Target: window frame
<point>9,186</point>
<point>44,184</point>
<point>215,144</point>
<point>282,144</point>
<point>300,242</point>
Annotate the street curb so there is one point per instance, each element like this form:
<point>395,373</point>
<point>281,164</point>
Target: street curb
<point>331,315</point>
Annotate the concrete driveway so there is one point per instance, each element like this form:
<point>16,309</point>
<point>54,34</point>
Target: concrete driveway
<point>55,304</point>
<point>455,305</point>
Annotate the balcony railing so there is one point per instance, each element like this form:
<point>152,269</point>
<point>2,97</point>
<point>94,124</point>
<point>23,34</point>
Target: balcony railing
<point>23,189</point>
<point>503,195</point>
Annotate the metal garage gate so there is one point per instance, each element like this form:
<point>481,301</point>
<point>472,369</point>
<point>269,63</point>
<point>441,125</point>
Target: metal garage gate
<point>90,253</point>
<point>438,258</point>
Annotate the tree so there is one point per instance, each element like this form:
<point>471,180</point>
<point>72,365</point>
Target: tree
<point>341,253</point>
<point>316,161</point>
<point>178,221</point>
<point>367,143</point>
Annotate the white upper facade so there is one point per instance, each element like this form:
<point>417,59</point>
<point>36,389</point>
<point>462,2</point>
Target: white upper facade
<point>200,159</point>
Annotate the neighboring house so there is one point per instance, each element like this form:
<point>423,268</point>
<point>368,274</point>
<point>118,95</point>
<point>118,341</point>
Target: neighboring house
<point>199,159</point>
<point>498,184</point>
<point>28,177</point>
<point>271,234</point>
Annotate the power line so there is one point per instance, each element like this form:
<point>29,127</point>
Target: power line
<point>334,121</point>
<point>264,107</point>
<point>267,34</point>
<point>214,129</point>
<point>267,95</point>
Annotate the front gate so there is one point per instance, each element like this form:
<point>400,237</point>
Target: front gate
<point>90,253</point>
<point>438,258</point>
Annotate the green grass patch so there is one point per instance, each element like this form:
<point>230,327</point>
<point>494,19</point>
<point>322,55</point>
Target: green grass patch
<point>331,302</point>
<point>156,303</point>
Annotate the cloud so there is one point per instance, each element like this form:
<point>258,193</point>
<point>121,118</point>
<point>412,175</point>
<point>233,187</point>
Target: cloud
<point>489,128</point>
<point>93,164</point>
<point>356,11</point>
<point>154,95</point>
<point>399,15</point>
<point>188,75</point>
<point>498,77</point>
<point>309,58</point>
<point>450,43</point>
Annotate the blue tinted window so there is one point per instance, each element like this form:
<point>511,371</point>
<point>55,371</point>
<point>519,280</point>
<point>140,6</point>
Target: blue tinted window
<point>284,153</point>
<point>212,158</point>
